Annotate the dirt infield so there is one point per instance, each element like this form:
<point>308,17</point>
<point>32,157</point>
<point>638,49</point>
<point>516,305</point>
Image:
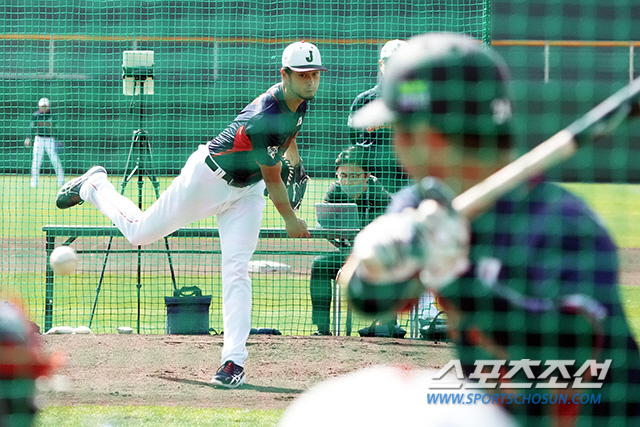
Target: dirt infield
<point>175,369</point>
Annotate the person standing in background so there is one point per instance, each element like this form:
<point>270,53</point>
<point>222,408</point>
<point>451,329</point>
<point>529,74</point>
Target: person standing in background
<point>41,130</point>
<point>381,157</point>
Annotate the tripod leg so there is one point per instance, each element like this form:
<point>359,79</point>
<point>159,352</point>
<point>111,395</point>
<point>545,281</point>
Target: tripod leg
<point>173,274</point>
<point>139,285</point>
<point>99,286</point>
<point>125,179</point>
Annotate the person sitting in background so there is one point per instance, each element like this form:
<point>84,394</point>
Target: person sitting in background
<point>354,184</point>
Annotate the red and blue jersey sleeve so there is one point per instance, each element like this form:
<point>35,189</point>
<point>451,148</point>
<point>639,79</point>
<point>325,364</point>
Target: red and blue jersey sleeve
<point>259,135</point>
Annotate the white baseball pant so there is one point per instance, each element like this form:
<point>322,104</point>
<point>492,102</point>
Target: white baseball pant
<point>40,145</point>
<point>197,193</point>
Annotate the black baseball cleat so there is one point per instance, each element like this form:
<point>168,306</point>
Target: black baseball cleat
<point>322,333</point>
<point>229,375</point>
<point>69,194</point>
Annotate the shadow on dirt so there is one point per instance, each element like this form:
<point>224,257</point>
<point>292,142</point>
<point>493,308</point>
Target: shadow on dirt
<point>259,388</point>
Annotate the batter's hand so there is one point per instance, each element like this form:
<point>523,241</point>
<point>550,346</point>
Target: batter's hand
<point>27,142</point>
<point>431,241</point>
<point>297,228</point>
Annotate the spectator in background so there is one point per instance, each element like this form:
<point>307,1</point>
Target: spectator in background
<point>354,185</point>
<point>41,131</point>
<point>377,139</point>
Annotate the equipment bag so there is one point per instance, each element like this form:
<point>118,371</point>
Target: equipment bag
<point>188,311</point>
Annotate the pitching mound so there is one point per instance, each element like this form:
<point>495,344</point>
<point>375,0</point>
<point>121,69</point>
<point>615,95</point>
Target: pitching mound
<point>175,369</point>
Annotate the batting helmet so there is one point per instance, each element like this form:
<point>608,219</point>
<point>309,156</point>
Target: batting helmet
<point>449,81</point>
<point>44,102</point>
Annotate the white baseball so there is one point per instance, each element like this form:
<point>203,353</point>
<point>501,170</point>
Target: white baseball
<point>63,260</point>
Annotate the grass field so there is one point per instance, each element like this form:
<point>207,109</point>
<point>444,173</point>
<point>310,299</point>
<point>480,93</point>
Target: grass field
<point>154,416</point>
<point>618,205</point>
<point>35,208</point>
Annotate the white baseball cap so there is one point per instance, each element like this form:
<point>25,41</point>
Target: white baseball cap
<point>44,102</point>
<point>301,57</point>
<point>390,48</point>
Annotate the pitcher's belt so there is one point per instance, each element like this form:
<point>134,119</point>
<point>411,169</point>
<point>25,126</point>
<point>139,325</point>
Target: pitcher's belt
<point>221,173</point>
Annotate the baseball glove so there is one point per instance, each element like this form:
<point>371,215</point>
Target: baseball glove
<point>295,179</point>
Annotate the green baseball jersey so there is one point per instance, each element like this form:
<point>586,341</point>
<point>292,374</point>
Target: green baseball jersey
<point>377,141</point>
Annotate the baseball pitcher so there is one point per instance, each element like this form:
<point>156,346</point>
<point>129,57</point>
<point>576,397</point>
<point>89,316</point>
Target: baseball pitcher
<point>225,177</point>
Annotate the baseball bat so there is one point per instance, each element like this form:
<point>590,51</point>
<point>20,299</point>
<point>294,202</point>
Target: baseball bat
<point>600,121</point>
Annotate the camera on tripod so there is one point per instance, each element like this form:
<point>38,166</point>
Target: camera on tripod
<point>137,79</point>
<point>137,72</point>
